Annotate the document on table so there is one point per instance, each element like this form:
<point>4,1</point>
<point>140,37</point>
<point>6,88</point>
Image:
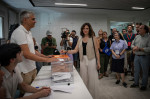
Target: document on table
<point>38,84</point>
<point>63,88</point>
<point>61,76</point>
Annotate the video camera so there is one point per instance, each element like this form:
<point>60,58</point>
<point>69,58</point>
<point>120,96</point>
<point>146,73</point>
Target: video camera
<point>49,43</point>
<point>64,35</point>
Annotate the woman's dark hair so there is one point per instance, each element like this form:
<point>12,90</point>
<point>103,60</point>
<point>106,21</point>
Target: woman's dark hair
<point>91,32</point>
<point>104,32</point>
<point>7,52</point>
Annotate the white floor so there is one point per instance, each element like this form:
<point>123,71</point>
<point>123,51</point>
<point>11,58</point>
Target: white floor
<point>109,90</point>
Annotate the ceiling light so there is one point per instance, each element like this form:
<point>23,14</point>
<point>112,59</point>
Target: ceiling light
<point>138,8</point>
<point>70,4</point>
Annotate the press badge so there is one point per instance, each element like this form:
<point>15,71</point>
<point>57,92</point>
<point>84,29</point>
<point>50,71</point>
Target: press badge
<point>129,43</point>
<point>113,39</point>
<point>117,52</point>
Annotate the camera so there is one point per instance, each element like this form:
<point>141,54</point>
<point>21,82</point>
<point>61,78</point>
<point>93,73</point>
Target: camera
<point>64,35</point>
<point>49,44</point>
<point>68,48</point>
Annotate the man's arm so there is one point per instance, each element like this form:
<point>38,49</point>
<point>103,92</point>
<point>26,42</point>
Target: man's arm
<point>54,44</point>
<point>62,41</point>
<point>133,43</point>
<point>146,49</point>
<point>43,93</point>
<point>44,46</point>
<point>97,53</point>
<point>3,93</point>
<point>76,48</point>
<point>38,93</point>
<point>27,54</point>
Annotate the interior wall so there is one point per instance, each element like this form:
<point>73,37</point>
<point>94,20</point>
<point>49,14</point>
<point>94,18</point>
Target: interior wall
<point>4,14</point>
<point>9,17</point>
<point>56,21</point>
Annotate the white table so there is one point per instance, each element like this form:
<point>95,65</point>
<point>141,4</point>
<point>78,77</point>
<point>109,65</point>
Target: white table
<point>79,91</point>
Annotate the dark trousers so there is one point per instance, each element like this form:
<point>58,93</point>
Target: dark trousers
<point>104,60</point>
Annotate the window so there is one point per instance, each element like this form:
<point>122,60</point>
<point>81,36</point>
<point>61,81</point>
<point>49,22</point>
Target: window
<point>1,27</point>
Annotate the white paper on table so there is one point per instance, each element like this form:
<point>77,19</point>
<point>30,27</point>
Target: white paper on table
<point>43,77</point>
<point>63,88</point>
<point>45,83</point>
<point>61,76</point>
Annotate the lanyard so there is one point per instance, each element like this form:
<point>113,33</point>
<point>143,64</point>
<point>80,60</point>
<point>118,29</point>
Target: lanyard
<point>128,37</point>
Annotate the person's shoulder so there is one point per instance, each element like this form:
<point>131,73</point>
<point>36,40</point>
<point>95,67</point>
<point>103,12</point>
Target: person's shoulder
<point>134,35</point>
<point>148,35</point>
<point>113,43</point>
<point>18,30</point>
<point>80,38</point>
<point>44,38</point>
<point>124,35</point>
<point>110,36</point>
<point>121,40</point>
<point>53,38</point>
<point>137,36</point>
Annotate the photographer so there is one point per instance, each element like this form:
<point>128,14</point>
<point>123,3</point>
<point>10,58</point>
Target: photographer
<point>66,41</point>
<point>75,40</point>
<point>48,44</point>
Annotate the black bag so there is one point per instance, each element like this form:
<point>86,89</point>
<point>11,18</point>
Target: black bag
<point>56,52</point>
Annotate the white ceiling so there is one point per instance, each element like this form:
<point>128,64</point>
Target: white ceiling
<point>110,8</point>
<point>92,4</point>
<point>95,4</point>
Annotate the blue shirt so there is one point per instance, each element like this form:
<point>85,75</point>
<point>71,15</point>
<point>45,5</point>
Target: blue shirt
<point>120,46</point>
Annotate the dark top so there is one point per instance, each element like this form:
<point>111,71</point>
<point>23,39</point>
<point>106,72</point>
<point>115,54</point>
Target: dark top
<point>84,48</point>
<point>75,40</point>
<point>48,50</point>
<point>102,44</point>
<point>111,38</point>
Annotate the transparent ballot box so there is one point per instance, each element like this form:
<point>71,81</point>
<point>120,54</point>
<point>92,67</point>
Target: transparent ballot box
<point>62,72</point>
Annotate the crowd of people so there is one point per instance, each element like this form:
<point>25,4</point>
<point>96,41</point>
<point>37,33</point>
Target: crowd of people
<point>123,51</point>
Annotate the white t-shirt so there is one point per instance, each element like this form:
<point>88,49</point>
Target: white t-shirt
<point>10,82</point>
<point>22,36</point>
<point>70,39</point>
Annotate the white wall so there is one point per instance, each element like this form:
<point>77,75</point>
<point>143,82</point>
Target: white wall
<point>9,17</point>
<point>55,21</point>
